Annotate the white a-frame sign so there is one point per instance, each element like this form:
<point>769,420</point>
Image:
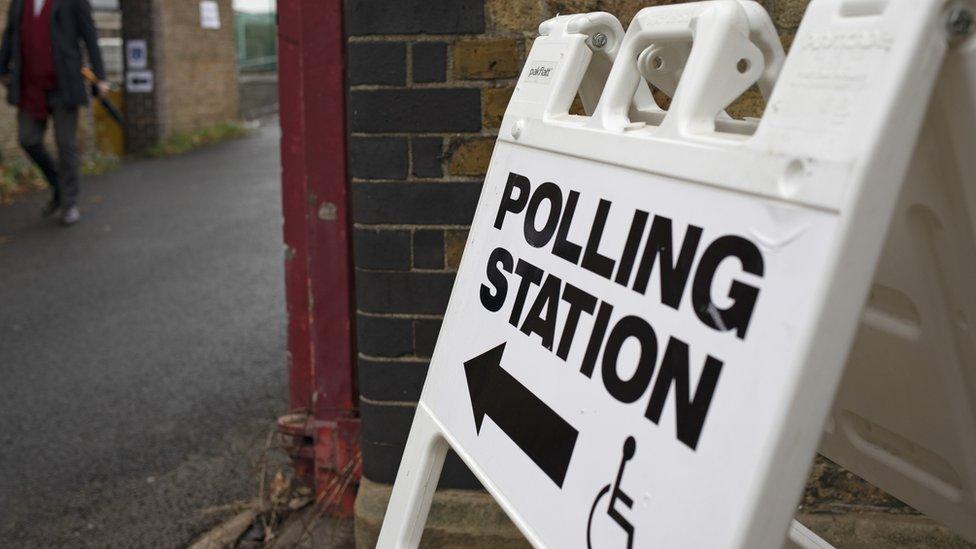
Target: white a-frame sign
<point>655,308</point>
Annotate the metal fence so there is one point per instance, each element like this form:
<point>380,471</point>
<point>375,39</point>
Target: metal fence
<point>257,46</point>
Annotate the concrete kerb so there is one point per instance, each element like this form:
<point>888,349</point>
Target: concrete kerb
<point>864,529</point>
<point>458,518</point>
<point>466,518</point>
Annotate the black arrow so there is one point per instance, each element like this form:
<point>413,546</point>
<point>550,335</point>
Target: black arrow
<point>532,425</point>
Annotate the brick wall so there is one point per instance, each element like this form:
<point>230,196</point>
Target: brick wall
<point>408,111</point>
<point>8,114</point>
<point>429,82</point>
<point>196,67</point>
<point>142,125</point>
<point>195,70</point>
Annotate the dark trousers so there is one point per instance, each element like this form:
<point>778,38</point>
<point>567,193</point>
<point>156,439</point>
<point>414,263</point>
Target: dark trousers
<point>62,176</point>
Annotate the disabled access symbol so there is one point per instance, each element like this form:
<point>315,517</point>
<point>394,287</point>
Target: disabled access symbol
<point>630,448</point>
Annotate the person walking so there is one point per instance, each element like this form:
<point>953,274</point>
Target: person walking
<point>40,63</point>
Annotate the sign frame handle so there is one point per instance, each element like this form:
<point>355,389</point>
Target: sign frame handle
<point>732,48</point>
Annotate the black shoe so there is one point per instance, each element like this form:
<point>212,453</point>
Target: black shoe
<point>70,216</point>
<point>51,208</point>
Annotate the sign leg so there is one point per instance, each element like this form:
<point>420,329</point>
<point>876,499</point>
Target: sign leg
<point>800,537</point>
<point>416,481</point>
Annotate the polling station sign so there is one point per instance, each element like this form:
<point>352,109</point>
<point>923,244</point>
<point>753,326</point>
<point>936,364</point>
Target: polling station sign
<point>617,346</point>
<point>654,308</point>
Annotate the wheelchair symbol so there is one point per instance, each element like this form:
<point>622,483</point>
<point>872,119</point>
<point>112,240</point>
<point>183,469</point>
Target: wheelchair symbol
<point>630,447</point>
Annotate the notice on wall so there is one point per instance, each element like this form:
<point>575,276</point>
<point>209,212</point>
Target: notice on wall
<point>139,82</point>
<point>209,14</point>
<point>136,54</point>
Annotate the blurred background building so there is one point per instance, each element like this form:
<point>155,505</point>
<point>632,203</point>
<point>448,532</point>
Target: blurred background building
<point>206,63</point>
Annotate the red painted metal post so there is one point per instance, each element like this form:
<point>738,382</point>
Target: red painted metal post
<point>323,425</point>
<point>295,229</point>
<point>293,191</point>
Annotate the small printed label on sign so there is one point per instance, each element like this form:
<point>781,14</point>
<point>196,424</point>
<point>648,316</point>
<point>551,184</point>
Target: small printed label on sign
<point>139,81</point>
<point>540,72</point>
<point>136,54</point>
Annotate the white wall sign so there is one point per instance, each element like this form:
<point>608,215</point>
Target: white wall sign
<point>139,81</point>
<point>136,54</point>
<point>654,308</point>
<point>105,5</point>
<point>209,14</point>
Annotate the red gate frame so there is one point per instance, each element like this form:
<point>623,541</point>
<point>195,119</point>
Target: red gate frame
<point>322,428</point>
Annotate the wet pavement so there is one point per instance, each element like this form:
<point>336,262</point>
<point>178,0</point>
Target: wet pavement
<point>142,352</point>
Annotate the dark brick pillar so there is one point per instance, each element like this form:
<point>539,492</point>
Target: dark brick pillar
<point>142,120</point>
<point>409,213</point>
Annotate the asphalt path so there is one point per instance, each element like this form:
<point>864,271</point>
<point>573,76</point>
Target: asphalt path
<point>142,352</point>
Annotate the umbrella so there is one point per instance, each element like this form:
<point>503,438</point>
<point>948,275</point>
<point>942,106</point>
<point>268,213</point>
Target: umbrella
<point>112,110</point>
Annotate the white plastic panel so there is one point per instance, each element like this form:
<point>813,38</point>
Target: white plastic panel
<point>905,416</point>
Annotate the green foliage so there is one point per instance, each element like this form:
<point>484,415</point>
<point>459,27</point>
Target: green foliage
<point>185,142</point>
<point>97,163</point>
<point>17,176</point>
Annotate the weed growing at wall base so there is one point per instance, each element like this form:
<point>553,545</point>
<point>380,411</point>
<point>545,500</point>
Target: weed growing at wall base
<point>18,177</point>
<point>184,142</point>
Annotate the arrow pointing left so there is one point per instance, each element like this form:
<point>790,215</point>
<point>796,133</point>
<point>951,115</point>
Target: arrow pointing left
<point>544,436</point>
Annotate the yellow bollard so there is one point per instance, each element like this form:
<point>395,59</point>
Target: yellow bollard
<point>109,135</point>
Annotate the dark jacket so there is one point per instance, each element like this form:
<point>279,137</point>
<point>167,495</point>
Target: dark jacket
<point>71,23</point>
